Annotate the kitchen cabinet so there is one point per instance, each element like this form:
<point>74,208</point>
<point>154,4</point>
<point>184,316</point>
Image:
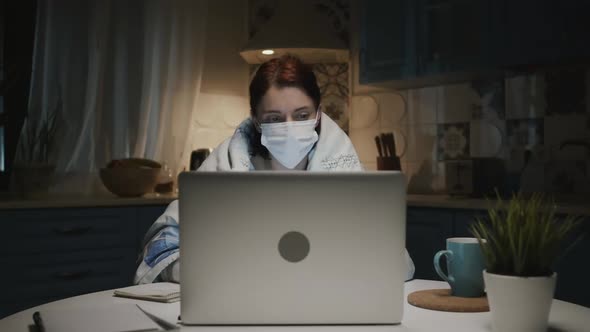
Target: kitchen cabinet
<point>145,218</point>
<point>406,44</point>
<point>426,234</point>
<point>573,270</point>
<point>463,219</point>
<point>542,31</point>
<point>428,228</point>
<point>411,41</point>
<point>452,36</point>
<point>50,254</point>
<point>388,45</point>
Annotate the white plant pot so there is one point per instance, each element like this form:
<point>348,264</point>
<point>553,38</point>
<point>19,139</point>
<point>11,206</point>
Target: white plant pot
<point>519,303</point>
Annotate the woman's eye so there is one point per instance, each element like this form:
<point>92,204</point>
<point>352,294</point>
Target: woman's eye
<point>302,116</point>
<point>272,119</point>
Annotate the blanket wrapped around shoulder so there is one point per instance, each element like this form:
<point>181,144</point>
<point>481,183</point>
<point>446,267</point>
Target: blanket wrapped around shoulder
<point>333,152</point>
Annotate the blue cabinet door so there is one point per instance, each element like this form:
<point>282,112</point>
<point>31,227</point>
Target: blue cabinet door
<point>50,254</point>
<point>427,230</point>
<point>67,229</point>
<point>453,36</point>
<point>32,279</point>
<point>146,216</point>
<point>573,269</point>
<point>388,48</point>
<point>464,219</point>
<point>543,31</point>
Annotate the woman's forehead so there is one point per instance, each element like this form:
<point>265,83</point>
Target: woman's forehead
<point>286,99</point>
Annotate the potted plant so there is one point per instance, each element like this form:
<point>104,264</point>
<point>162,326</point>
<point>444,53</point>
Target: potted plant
<point>33,169</point>
<point>520,241</point>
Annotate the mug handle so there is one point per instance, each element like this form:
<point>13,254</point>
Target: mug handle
<point>449,256</point>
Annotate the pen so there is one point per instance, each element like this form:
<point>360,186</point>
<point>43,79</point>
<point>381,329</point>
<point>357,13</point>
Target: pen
<point>38,321</point>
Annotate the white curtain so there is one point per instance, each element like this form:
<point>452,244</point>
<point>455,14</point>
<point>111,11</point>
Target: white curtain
<point>128,74</point>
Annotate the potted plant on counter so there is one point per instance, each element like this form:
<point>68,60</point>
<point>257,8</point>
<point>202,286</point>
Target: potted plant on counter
<point>34,169</point>
<point>523,239</point>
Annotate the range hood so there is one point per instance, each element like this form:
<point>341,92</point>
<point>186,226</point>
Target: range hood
<point>296,28</point>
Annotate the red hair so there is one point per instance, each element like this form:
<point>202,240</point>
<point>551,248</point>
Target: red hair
<point>286,71</point>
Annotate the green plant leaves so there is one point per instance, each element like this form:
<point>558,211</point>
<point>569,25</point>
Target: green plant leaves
<point>523,235</point>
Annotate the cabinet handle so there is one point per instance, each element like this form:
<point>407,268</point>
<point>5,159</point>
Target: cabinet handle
<point>75,275</point>
<point>75,230</point>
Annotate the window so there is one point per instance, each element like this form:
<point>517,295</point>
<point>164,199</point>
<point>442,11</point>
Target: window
<point>17,33</point>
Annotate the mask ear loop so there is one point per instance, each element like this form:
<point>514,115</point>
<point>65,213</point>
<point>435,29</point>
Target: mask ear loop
<point>318,115</point>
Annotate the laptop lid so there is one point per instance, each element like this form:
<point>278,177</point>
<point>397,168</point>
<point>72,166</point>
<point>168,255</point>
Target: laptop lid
<point>292,247</point>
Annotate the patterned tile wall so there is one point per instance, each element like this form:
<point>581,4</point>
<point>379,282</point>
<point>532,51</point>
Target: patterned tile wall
<point>538,124</point>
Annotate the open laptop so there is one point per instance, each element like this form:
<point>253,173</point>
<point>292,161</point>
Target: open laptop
<point>290,248</point>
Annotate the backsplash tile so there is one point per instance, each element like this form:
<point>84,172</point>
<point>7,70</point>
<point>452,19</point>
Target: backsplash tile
<point>453,140</point>
<point>523,120</point>
<point>333,83</point>
<point>486,138</point>
<point>565,91</point>
<point>456,103</point>
<point>392,109</point>
<point>525,133</point>
<point>562,129</point>
<point>364,113</point>
<point>491,105</point>
<point>421,106</point>
<point>421,142</point>
<point>567,176</point>
<point>421,177</point>
<point>364,143</point>
<point>525,97</point>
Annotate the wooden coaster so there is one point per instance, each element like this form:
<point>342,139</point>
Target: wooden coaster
<point>442,300</point>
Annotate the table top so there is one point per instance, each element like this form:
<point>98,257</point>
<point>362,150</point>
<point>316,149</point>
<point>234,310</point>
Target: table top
<point>564,316</point>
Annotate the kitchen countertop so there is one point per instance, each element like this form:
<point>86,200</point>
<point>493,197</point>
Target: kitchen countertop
<point>576,206</point>
<point>69,201</point>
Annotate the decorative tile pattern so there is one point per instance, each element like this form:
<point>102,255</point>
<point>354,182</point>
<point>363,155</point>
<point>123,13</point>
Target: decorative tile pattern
<point>492,100</point>
<point>567,176</point>
<point>534,114</point>
<point>525,97</point>
<point>333,82</point>
<point>525,133</point>
<point>332,79</point>
<point>565,92</point>
<point>455,103</point>
<point>453,141</point>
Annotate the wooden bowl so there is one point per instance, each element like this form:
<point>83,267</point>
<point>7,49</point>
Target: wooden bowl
<point>131,179</point>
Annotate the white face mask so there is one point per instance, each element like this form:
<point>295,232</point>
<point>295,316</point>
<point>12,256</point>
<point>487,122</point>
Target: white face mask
<point>289,142</point>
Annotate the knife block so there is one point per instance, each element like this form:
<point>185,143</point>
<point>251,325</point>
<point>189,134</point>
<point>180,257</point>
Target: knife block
<point>388,164</point>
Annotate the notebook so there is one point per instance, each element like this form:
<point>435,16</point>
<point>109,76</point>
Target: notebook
<point>166,292</point>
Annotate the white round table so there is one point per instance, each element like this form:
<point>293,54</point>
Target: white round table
<point>564,316</point>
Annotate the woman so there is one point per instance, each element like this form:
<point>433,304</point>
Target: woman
<point>286,131</point>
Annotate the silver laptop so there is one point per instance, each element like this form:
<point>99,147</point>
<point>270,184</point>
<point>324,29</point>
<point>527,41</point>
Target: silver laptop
<point>282,248</point>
